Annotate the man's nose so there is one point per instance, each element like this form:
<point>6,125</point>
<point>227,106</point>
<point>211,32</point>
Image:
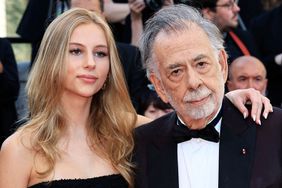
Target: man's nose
<point>194,80</point>
<point>251,84</point>
<point>236,7</point>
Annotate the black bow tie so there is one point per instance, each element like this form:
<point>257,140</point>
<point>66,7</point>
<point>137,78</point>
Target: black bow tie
<point>182,133</point>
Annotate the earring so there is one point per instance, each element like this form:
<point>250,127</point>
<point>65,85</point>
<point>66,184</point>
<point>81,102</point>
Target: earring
<point>104,85</point>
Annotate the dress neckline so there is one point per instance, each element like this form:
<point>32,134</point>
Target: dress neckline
<point>97,178</point>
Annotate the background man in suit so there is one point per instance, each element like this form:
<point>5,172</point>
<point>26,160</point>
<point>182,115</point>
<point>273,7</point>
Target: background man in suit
<point>207,142</point>
<point>247,72</point>
<point>36,18</point>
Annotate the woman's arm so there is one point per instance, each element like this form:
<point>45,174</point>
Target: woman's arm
<point>115,12</point>
<point>15,163</point>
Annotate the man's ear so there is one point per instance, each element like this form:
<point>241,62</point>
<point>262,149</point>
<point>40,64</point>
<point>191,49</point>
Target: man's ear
<point>223,63</point>
<point>159,87</point>
<point>230,85</point>
<point>265,86</point>
<point>208,13</point>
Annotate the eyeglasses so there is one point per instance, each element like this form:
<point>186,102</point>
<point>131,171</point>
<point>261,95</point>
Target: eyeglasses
<point>230,5</point>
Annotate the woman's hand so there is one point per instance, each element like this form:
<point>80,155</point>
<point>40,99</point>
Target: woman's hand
<point>240,97</point>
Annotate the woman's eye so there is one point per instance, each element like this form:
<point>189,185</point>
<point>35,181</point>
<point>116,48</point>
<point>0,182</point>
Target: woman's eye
<point>100,54</point>
<point>75,51</point>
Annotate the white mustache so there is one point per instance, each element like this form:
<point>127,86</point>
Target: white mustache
<point>197,95</point>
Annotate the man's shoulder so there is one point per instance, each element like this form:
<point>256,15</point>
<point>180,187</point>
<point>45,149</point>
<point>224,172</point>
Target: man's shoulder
<point>277,110</point>
<point>231,112</point>
<point>274,118</point>
<point>159,126</point>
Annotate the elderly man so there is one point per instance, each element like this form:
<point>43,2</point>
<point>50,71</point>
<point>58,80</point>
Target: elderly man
<point>206,143</point>
<point>247,72</point>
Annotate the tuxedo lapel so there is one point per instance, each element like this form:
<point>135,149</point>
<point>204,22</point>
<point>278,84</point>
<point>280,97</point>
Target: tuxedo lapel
<point>237,147</point>
<point>163,158</point>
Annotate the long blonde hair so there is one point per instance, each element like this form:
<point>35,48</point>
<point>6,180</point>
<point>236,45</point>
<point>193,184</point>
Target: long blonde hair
<point>110,125</point>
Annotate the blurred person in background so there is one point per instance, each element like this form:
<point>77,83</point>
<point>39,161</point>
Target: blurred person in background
<point>36,18</point>
<point>247,72</point>
<point>224,14</point>
<point>151,105</point>
<point>248,10</point>
<point>9,89</point>
<point>267,29</point>
<point>117,13</point>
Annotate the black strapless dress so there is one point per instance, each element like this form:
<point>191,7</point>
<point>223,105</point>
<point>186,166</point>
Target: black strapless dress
<point>111,181</point>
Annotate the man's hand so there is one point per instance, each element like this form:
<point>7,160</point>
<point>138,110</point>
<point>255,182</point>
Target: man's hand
<point>240,97</point>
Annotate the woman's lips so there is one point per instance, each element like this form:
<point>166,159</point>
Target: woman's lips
<point>88,78</point>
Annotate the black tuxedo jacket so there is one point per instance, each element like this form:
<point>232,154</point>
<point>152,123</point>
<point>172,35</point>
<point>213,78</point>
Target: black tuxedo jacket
<point>260,166</point>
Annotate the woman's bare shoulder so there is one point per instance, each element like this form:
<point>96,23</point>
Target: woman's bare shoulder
<point>16,159</point>
<point>17,145</point>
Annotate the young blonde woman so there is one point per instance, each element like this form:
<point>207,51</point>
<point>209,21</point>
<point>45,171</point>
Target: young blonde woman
<point>81,117</point>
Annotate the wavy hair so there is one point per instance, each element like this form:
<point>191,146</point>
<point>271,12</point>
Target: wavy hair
<point>109,126</point>
<point>173,19</point>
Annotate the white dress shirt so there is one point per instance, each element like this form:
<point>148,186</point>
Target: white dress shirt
<point>198,162</point>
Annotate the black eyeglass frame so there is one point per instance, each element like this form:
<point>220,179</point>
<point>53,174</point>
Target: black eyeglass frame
<point>229,5</point>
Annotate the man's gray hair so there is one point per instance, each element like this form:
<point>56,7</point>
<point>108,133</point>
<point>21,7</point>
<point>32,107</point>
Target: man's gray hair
<point>171,19</point>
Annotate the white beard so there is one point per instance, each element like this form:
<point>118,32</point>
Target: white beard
<point>198,112</point>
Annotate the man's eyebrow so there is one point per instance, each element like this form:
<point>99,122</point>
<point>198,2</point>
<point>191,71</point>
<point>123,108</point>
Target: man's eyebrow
<point>174,65</point>
<point>179,64</point>
<point>199,57</point>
